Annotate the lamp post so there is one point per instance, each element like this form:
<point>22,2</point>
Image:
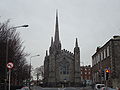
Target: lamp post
<point>7,39</point>
<point>30,68</point>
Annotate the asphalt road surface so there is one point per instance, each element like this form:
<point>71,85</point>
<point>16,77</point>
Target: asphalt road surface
<point>68,88</point>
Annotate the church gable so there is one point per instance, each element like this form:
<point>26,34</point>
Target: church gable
<point>65,57</point>
<point>63,60</point>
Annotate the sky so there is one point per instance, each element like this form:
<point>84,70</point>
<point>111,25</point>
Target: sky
<point>93,22</point>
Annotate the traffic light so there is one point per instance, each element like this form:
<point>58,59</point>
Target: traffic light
<point>107,72</point>
<point>107,75</point>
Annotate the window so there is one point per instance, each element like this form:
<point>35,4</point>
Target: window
<point>98,57</point>
<point>104,53</point>
<point>108,52</point>
<point>101,56</point>
<point>64,68</point>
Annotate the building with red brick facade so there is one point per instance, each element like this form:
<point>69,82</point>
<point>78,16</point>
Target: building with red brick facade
<point>86,74</point>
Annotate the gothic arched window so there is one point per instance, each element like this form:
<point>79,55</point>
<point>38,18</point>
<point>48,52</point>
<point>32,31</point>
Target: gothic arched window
<point>64,67</point>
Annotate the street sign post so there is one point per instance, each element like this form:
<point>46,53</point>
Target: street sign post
<point>9,66</point>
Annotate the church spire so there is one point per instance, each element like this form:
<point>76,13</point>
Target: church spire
<point>57,28</point>
<point>46,53</point>
<point>57,43</point>
<point>76,49</point>
<point>76,44</point>
<point>51,41</point>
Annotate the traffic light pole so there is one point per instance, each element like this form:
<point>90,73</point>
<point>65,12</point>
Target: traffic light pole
<point>102,75</point>
<point>106,83</point>
<point>107,72</point>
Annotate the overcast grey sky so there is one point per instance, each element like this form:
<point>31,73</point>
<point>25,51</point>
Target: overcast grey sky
<point>93,22</point>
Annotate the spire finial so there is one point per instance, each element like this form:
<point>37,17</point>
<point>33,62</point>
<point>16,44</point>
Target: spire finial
<point>56,13</point>
<point>76,44</point>
<point>57,28</point>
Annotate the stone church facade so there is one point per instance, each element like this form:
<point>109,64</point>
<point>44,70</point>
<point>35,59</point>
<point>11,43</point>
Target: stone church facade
<point>61,67</point>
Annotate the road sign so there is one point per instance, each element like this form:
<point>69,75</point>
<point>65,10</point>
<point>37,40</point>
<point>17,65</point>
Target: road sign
<point>10,65</point>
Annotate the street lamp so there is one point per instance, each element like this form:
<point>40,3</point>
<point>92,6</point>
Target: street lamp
<point>30,67</point>
<point>7,38</point>
<point>18,27</point>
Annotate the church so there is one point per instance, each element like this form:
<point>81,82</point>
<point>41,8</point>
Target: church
<point>61,67</point>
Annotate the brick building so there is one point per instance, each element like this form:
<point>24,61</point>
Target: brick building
<point>86,74</point>
<point>107,57</point>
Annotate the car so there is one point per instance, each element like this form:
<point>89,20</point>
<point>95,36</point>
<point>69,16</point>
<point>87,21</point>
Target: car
<point>99,86</point>
<point>107,88</point>
<point>25,88</point>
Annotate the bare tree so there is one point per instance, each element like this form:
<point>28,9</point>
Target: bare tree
<point>39,73</point>
<point>10,38</point>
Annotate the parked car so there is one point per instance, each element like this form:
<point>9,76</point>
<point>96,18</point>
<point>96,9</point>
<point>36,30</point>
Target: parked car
<point>25,88</point>
<point>107,88</point>
<point>99,86</point>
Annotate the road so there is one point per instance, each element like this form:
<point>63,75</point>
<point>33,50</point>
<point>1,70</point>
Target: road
<point>68,88</point>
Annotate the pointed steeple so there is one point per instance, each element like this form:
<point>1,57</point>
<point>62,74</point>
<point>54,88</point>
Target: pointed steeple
<point>56,28</point>
<point>76,44</point>
<point>51,41</point>
<point>51,47</point>
<point>57,43</point>
<point>46,53</point>
<point>76,49</point>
